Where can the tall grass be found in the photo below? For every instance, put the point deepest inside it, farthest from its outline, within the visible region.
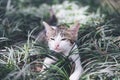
(98, 43)
(25, 62)
(100, 51)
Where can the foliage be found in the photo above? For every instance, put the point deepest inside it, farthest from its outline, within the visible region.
(75, 12)
(15, 22)
(112, 7)
(25, 62)
(98, 41)
(99, 50)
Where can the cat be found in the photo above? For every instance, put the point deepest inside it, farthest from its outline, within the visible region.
(62, 40)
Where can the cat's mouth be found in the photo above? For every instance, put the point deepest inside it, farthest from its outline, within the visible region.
(57, 50)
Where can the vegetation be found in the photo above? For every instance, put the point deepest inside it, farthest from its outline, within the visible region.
(21, 56)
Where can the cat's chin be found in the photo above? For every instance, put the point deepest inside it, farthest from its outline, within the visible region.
(58, 51)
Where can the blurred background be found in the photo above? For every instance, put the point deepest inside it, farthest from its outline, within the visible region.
(17, 17)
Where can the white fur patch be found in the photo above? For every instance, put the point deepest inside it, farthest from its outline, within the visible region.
(64, 46)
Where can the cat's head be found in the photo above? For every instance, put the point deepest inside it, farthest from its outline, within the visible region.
(62, 38)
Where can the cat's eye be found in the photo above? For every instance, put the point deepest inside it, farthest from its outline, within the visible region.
(63, 39)
(52, 38)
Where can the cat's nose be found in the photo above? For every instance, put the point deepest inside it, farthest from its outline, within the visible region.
(56, 46)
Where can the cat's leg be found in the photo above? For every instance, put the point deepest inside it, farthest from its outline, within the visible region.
(47, 62)
(78, 68)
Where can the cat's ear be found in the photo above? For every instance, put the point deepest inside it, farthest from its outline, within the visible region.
(48, 28)
(75, 28)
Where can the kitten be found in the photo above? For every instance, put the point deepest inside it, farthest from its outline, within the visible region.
(62, 39)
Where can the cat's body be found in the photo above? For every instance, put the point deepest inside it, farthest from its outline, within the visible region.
(62, 40)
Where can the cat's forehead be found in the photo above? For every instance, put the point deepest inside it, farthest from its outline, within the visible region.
(61, 31)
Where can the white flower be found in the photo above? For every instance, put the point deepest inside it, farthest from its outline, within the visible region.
(69, 12)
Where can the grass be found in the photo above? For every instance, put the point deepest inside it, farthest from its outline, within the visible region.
(21, 57)
(99, 53)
